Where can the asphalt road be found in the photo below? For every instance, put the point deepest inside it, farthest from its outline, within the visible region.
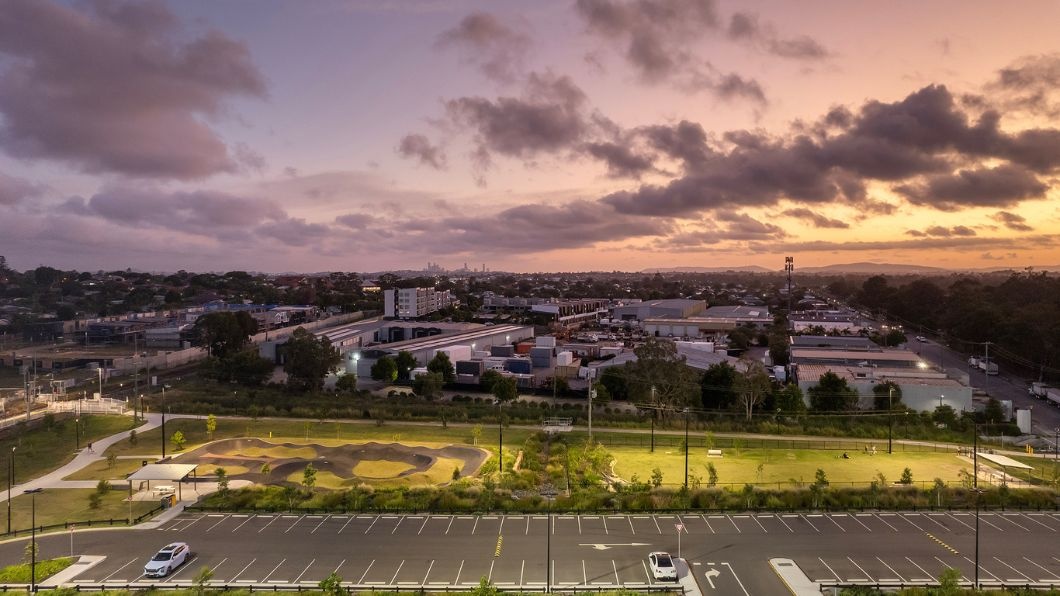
(728, 553)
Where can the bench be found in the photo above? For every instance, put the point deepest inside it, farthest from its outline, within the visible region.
(713, 452)
(165, 490)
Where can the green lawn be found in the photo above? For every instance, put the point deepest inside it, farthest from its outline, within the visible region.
(56, 506)
(324, 433)
(1046, 470)
(42, 449)
(783, 465)
(101, 470)
(20, 574)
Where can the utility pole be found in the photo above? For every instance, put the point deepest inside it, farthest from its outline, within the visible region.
(986, 369)
(686, 449)
(136, 375)
(789, 266)
(163, 422)
(890, 418)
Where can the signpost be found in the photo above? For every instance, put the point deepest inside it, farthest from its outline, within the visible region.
(680, 529)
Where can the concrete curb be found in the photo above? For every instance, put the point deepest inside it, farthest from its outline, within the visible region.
(794, 578)
(83, 563)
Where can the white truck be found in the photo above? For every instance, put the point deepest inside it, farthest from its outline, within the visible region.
(1053, 395)
(988, 367)
(973, 362)
(1038, 390)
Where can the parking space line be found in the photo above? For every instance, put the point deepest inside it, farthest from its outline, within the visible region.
(646, 573)
(345, 524)
(223, 518)
(860, 569)
(274, 570)
(996, 527)
(426, 519)
(294, 524)
(829, 568)
(630, 519)
(604, 517)
(896, 574)
(341, 563)
(361, 581)
(932, 519)
(579, 524)
(397, 525)
(1042, 568)
(489, 577)
(428, 574)
(1013, 568)
(880, 517)
(371, 525)
(458, 572)
(299, 578)
(781, 520)
(326, 518)
(733, 522)
(1048, 527)
(733, 572)
(131, 561)
(236, 576)
(855, 518)
(709, 527)
(924, 571)
(1020, 526)
(400, 565)
(585, 576)
(831, 518)
(983, 567)
(250, 517)
(814, 529)
(193, 522)
(618, 582)
(960, 522)
(760, 524)
(911, 522)
(527, 532)
(475, 527)
(656, 524)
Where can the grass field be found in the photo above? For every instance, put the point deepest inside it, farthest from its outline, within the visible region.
(231, 470)
(783, 466)
(20, 574)
(41, 450)
(379, 469)
(56, 506)
(100, 470)
(324, 433)
(439, 473)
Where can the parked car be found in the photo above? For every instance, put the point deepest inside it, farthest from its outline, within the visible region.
(166, 560)
(662, 566)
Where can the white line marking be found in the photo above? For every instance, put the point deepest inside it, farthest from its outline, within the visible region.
(860, 568)
(911, 523)
(361, 581)
(579, 525)
(989, 524)
(709, 527)
(527, 532)
(131, 561)
(733, 522)
(731, 570)
(217, 524)
(343, 562)
(369, 529)
(1039, 523)
(1020, 526)
(656, 524)
(585, 578)
(292, 525)
(1042, 568)
(646, 573)
(605, 526)
(458, 571)
(615, 567)
(236, 576)
(428, 574)
(814, 529)
(982, 567)
(781, 520)
(831, 518)
(759, 524)
(244, 523)
(924, 571)
(397, 525)
(936, 522)
(268, 524)
(344, 525)
(326, 517)
(474, 527)
(490, 576)
(400, 565)
(829, 568)
(522, 568)
(299, 578)
(425, 520)
(861, 522)
(500, 528)
(273, 570)
(1012, 568)
(960, 522)
(898, 575)
(631, 525)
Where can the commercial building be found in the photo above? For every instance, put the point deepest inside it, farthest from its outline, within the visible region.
(678, 308)
(921, 390)
(828, 321)
(412, 303)
(479, 338)
(569, 313)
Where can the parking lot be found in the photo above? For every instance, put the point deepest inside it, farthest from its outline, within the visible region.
(728, 553)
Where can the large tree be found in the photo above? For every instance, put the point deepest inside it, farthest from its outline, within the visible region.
(428, 385)
(405, 363)
(716, 386)
(752, 386)
(832, 394)
(661, 377)
(309, 360)
(225, 333)
(385, 370)
(887, 396)
(442, 365)
(505, 389)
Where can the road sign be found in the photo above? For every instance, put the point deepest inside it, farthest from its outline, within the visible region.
(680, 527)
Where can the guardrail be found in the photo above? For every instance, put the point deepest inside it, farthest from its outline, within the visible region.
(836, 587)
(81, 524)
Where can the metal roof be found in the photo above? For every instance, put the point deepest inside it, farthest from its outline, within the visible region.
(172, 472)
(1004, 461)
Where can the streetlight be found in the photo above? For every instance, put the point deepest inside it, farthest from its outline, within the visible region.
(77, 433)
(33, 538)
(163, 421)
(890, 417)
(100, 371)
(10, 481)
(978, 493)
(549, 494)
(686, 449)
(500, 441)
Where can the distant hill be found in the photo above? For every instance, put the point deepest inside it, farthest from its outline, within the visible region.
(874, 268)
(742, 269)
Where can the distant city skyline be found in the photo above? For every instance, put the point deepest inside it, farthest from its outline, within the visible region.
(573, 135)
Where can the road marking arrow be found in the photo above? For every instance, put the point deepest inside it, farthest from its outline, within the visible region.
(710, 577)
(607, 546)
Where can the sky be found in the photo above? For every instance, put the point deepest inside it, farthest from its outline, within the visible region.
(555, 135)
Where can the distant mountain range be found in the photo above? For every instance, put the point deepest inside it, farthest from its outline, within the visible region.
(864, 268)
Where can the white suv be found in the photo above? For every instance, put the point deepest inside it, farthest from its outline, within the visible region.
(166, 560)
(662, 566)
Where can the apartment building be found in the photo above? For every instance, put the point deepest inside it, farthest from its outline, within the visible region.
(411, 303)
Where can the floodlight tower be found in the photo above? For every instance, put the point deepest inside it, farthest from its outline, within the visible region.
(789, 266)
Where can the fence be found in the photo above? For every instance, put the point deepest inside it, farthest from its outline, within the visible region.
(353, 587)
(88, 523)
(795, 443)
(90, 406)
(838, 587)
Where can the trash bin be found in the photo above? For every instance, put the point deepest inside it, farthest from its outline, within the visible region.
(166, 502)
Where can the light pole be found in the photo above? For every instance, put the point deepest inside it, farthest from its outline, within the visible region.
(549, 493)
(77, 433)
(890, 418)
(100, 371)
(500, 441)
(978, 494)
(686, 449)
(163, 421)
(33, 538)
(10, 481)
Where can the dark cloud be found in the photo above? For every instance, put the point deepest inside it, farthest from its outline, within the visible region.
(734, 86)
(744, 227)
(550, 116)
(119, 87)
(621, 161)
(745, 27)
(495, 48)
(1002, 186)
(686, 141)
(818, 220)
(357, 221)
(942, 232)
(1013, 221)
(199, 212)
(1029, 84)
(293, 232)
(15, 190)
(417, 146)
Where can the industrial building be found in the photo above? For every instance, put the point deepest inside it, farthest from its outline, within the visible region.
(412, 303)
(679, 308)
(478, 341)
(571, 313)
(921, 390)
(829, 321)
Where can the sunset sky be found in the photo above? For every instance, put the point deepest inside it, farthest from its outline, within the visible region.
(570, 135)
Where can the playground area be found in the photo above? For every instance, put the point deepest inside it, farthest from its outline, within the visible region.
(339, 465)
